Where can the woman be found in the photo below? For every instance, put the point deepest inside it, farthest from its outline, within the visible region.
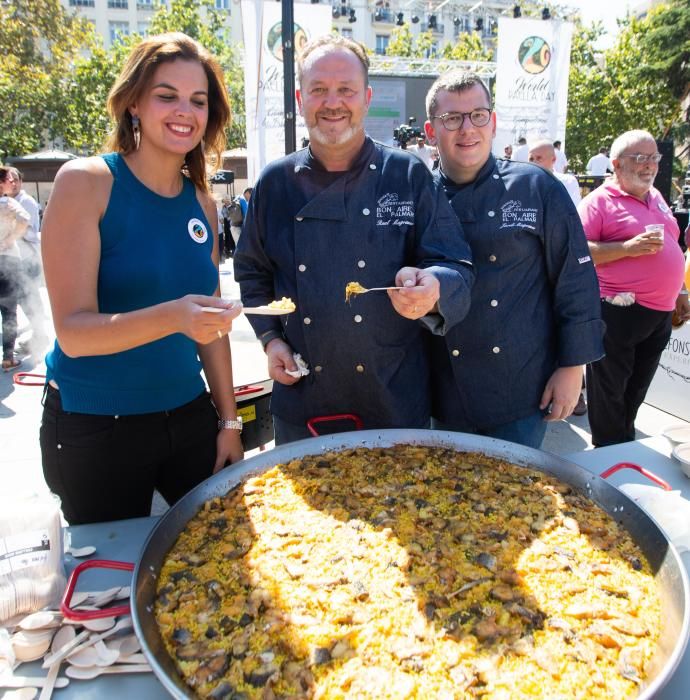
(14, 222)
(131, 259)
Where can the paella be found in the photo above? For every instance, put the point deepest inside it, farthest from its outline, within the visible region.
(407, 572)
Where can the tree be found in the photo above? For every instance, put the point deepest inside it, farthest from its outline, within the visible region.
(39, 41)
(468, 47)
(608, 94)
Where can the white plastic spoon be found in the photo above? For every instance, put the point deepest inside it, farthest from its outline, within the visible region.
(29, 682)
(86, 674)
(79, 552)
(124, 623)
(43, 619)
(20, 694)
(65, 650)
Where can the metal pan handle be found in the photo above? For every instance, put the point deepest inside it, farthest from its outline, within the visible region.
(645, 472)
(338, 416)
(72, 582)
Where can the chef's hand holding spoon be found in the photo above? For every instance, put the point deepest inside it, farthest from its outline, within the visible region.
(418, 294)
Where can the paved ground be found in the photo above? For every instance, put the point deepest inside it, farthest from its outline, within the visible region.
(20, 408)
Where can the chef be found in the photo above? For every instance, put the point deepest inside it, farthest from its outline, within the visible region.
(516, 361)
(348, 209)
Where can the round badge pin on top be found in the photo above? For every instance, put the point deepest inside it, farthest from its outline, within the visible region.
(197, 231)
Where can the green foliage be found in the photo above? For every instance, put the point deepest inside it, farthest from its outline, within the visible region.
(609, 95)
(39, 42)
(467, 47)
(56, 74)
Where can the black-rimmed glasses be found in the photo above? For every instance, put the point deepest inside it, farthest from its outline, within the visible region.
(452, 121)
(641, 158)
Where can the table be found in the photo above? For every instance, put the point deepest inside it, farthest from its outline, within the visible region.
(123, 541)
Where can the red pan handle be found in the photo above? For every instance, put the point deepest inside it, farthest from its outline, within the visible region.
(629, 465)
(338, 416)
(72, 582)
(247, 389)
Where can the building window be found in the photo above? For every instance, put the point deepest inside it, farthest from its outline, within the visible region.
(81, 3)
(145, 5)
(223, 5)
(346, 32)
(382, 43)
(117, 4)
(142, 28)
(117, 29)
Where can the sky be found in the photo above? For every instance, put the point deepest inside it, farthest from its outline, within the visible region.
(605, 10)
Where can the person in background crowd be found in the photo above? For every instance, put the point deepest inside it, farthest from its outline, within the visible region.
(131, 260)
(226, 217)
(521, 151)
(561, 165)
(14, 222)
(349, 209)
(534, 320)
(543, 153)
(244, 200)
(31, 272)
(640, 275)
(508, 152)
(423, 152)
(600, 164)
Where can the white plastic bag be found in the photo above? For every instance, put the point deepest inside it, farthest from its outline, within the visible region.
(668, 508)
(32, 573)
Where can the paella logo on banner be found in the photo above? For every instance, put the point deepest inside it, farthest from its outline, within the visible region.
(263, 75)
(533, 61)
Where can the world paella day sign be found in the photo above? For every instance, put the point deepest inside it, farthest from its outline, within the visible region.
(670, 390)
(533, 61)
(263, 75)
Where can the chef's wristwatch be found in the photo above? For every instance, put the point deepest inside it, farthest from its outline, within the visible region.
(227, 424)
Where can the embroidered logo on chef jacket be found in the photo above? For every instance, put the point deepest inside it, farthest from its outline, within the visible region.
(197, 231)
(514, 215)
(390, 211)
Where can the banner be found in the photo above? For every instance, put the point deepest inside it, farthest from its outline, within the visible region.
(533, 61)
(263, 75)
(670, 389)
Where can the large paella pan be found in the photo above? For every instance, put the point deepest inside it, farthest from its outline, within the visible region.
(664, 562)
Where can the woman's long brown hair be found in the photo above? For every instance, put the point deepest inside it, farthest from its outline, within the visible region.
(137, 75)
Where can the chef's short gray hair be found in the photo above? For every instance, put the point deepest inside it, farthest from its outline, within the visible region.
(332, 42)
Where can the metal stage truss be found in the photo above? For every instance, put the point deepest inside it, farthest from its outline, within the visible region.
(426, 67)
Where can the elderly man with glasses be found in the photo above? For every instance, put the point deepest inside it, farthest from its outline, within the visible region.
(633, 239)
(515, 362)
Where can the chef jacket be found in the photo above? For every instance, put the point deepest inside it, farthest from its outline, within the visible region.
(535, 301)
(309, 232)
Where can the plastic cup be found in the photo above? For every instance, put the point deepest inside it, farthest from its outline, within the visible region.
(657, 230)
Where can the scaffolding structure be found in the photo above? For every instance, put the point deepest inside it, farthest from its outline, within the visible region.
(427, 67)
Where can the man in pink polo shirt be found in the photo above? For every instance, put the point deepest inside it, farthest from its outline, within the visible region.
(640, 273)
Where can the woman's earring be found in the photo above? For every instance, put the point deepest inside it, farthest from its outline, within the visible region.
(136, 131)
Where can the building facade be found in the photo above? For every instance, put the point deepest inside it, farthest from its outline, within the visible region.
(369, 21)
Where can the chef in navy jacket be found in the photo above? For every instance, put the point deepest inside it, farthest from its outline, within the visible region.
(516, 360)
(347, 209)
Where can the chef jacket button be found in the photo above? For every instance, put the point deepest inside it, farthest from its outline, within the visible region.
(302, 268)
(492, 258)
(495, 176)
(455, 352)
(307, 320)
(494, 302)
(491, 213)
(59, 446)
(298, 168)
(372, 166)
(365, 211)
(361, 263)
(318, 368)
(358, 319)
(299, 218)
(496, 349)
(359, 368)
(116, 417)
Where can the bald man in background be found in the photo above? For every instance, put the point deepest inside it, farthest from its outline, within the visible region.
(543, 153)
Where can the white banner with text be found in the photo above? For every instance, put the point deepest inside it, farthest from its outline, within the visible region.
(533, 61)
(263, 75)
